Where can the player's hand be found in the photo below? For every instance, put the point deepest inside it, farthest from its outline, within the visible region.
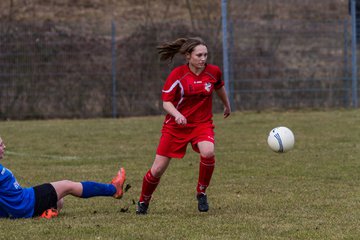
(227, 112)
(180, 119)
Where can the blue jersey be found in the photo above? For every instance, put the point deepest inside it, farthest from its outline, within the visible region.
(15, 201)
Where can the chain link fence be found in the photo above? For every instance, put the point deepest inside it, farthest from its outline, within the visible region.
(290, 64)
(52, 70)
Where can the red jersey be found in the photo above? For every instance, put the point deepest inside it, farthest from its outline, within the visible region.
(192, 94)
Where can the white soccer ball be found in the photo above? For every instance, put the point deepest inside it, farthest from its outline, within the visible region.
(281, 139)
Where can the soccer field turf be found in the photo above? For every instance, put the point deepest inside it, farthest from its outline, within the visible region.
(311, 192)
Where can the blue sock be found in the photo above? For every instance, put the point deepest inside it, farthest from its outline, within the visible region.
(93, 189)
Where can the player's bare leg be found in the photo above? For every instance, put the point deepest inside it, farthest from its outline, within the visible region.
(206, 168)
(150, 182)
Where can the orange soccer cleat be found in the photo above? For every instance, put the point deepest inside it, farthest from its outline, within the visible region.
(50, 213)
(118, 181)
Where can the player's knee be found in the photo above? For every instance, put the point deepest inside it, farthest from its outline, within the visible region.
(209, 153)
(68, 187)
(157, 171)
(63, 183)
(159, 167)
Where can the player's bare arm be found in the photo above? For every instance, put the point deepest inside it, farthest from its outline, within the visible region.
(225, 100)
(170, 108)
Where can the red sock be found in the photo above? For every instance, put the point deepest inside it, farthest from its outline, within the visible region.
(148, 187)
(206, 169)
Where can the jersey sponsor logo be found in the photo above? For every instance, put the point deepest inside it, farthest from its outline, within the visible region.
(208, 87)
(197, 82)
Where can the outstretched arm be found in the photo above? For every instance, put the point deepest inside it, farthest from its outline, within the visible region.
(221, 92)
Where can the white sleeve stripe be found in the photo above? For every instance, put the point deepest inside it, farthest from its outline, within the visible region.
(172, 86)
(181, 92)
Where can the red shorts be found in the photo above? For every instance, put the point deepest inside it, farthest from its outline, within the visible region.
(173, 141)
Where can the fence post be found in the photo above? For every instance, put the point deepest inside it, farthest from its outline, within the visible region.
(113, 68)
(346, 66)
(231, 65)
(225, 45)
(353, 54)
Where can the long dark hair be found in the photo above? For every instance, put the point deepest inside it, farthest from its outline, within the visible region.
(168, 50)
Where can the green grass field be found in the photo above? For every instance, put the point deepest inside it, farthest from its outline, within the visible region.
(311, 192)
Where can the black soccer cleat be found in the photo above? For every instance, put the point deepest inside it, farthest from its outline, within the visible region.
(203, 205)
(142, 208)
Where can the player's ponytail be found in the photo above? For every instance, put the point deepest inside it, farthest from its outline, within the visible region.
(168, 50)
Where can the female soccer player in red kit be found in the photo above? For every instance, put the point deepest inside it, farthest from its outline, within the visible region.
(187, 98)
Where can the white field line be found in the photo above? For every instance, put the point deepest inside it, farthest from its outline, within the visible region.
(66, 158)
(43, 156)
